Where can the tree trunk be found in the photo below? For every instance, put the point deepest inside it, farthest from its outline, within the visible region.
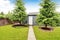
(45, 25)
(20, 22)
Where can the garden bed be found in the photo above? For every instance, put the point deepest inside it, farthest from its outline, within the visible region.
(48, 28)
(18, 24)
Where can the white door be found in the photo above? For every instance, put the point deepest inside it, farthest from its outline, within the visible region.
(30, 20)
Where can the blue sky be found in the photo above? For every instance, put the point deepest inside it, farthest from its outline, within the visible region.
(30, 5)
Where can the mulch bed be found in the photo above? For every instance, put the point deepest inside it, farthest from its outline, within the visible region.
(18, 24)
(48, 28)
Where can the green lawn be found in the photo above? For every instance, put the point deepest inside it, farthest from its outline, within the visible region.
(10, 33)
(47, 35)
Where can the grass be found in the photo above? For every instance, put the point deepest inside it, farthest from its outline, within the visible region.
(47, 35)
(10, 33)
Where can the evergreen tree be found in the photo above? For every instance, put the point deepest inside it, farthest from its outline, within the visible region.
(19, 12)
(47, 14)
(2, 15)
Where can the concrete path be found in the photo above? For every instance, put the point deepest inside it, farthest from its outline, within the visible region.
(31, 35)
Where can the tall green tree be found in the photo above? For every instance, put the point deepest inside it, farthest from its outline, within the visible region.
(19, 13)
(9, 16)
(2, 15)
(47, 14)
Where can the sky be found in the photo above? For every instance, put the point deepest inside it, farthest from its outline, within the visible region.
(30, 5)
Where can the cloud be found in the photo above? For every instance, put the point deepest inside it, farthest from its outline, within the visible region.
(32, 8)
(6, 6)
(58, 8)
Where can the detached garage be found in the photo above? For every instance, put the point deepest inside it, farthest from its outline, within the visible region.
(32, 18)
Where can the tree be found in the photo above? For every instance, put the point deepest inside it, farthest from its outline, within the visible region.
(2, 15)
(9, 16)
(47, 14)
(19, 12)
(58, 16)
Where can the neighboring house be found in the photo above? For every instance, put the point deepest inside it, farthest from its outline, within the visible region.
(32, 18)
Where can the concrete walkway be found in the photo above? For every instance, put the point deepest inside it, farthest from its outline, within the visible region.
(31, 35)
